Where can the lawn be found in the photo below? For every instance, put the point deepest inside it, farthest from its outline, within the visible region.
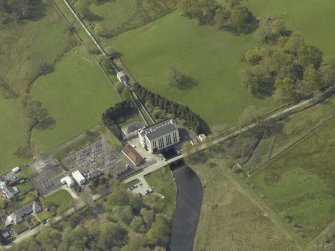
(300, 185)
(61, 197)
(76, 95)
(230, 217)
(314, 18)
(162, 182)
(211, 58)
(13, 133)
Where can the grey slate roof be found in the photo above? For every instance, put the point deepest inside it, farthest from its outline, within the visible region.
(17, 217)
(160, 129)
(8, 190)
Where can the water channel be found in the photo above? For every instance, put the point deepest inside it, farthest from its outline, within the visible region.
(188, 207)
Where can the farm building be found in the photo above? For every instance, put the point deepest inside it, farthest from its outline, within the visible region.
(122, 77)
(68, 181)
(132, 155)
(159, 136)
(17, 217)
(78, 177)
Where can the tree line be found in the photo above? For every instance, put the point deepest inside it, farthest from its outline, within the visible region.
(284, 66)
(112, 116)
(229, 16)
(18, 10)
(192, 120)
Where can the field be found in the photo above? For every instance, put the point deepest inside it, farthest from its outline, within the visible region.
(231, 219)
(13, 133)
(24, 46)
(76, 95)
(61, 197)
(161, 182)
(313, 18)
(299, 184)
(119, 16)
(211, 58)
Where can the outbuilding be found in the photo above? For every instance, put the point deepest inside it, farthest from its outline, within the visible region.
(78, 177)
(68, 181)
(16, 169)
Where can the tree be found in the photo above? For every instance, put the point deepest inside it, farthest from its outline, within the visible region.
(250, 115)
(159, 232)
(285, 89)
(175, 77)
(137, 224)
(111, 235)
(271, 30)
(327, 72)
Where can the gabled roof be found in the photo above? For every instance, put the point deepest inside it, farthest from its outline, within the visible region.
(160, 129)
(132, 155)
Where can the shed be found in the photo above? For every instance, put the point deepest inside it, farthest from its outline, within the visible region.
(122, 77)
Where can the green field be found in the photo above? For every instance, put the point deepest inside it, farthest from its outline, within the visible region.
(76, 95)
(119, 16)
(61, 197)
(13, 134)
(24, 46)
(231, 219)
(300, 185)
(211, 58)
(313, 18)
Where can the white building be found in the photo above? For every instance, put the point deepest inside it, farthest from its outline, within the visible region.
(159, 136)
(122, 77)
(68, 181)
(78, 177)
(16, 169)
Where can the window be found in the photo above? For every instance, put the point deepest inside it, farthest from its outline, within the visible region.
(154, 144)
(161, 143)
(175, 140)
(168, 139)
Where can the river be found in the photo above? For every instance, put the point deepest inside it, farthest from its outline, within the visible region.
(188, 207)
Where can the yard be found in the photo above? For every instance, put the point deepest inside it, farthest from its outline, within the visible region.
(231, 219)
(299, 184)
(76, 95)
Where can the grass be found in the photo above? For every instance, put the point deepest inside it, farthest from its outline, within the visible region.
(230, 217)
(313, 18)
(13, 134)
(25, 45)
(162, 182)
(76, 95)
(211, 58)
(299, 184)
(119, 16)
(59, 198)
